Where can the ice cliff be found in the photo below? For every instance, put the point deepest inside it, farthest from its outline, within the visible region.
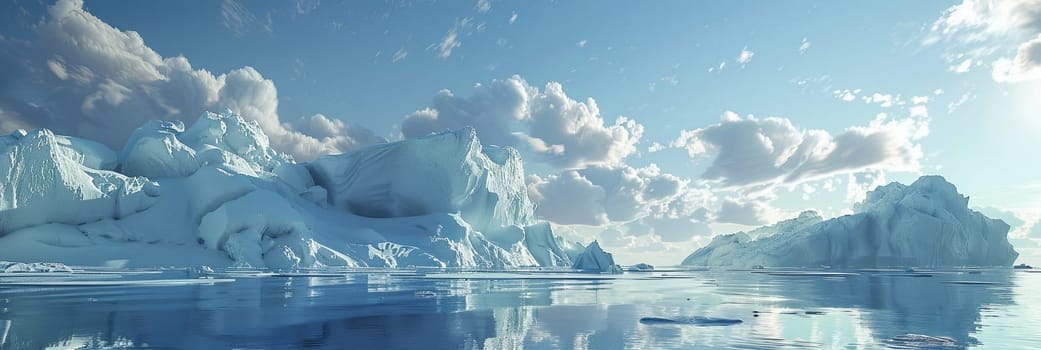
(927, 223)
(216, 193)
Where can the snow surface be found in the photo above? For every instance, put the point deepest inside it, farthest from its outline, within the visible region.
(217, 194)
(927, 223)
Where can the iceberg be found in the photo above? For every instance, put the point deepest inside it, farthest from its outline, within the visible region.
(594, 259)
(217, 194)
(927, 223)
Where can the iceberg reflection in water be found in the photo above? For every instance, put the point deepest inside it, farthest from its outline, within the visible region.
(542, 310)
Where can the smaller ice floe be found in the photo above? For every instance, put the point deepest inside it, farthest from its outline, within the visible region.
(641, 267)
(806, 273)
(36, 267)
(913, 274)
(595, 259)
(756, 313)
(426, 294)
(508, 276)
(919, 341)
(972, 282)
(696, 321)
(108, 283)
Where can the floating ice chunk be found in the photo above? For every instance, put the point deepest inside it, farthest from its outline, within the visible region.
(108, 283)
(17, 267)
(641, 267)
(917, 341)
(696, 320)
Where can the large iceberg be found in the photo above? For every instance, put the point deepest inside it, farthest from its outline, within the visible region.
(216, 193)
(927, 223)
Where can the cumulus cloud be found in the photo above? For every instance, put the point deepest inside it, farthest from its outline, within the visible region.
(751, 213)
(1026, 65)
(80, 76)
(568, 199)
(750, 151)
(545, 123)
(981, 30)
(607, 194)
(661, 203)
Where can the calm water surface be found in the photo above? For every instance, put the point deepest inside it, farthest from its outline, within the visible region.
(465, 310)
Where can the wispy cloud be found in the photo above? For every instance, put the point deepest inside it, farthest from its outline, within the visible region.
(513, 17)
(399, 55)
(483, 6)
(240, 20)
(581, 43)
(804, 46)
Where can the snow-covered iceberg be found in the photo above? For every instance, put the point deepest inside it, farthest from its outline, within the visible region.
(927, 223)
(217, 194)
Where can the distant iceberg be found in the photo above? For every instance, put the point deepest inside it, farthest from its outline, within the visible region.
(594, 259)
(927, 223)
(217, 194)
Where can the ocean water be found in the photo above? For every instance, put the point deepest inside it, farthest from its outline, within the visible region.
(427, 309)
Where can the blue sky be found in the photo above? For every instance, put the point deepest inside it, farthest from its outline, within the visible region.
(932, 68)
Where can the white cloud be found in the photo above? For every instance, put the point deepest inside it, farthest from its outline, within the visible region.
(953, 106)
(659, 203)
(751, 213)
(513, 18)
(978, 30)
(399, 55)
(568, 199)
(804, 46)
(1026, 65)
(846, 94)
(448, 42)
(546, 124)
(581, 43)
(750, 151)
(859, 183)
(304, 7)
(719, 68)
(112, 82)
(962, 67)
(483, 6)
(671, 79)
(239, 19)
(744, 57)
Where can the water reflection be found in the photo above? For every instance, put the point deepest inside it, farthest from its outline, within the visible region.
(387, 311)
